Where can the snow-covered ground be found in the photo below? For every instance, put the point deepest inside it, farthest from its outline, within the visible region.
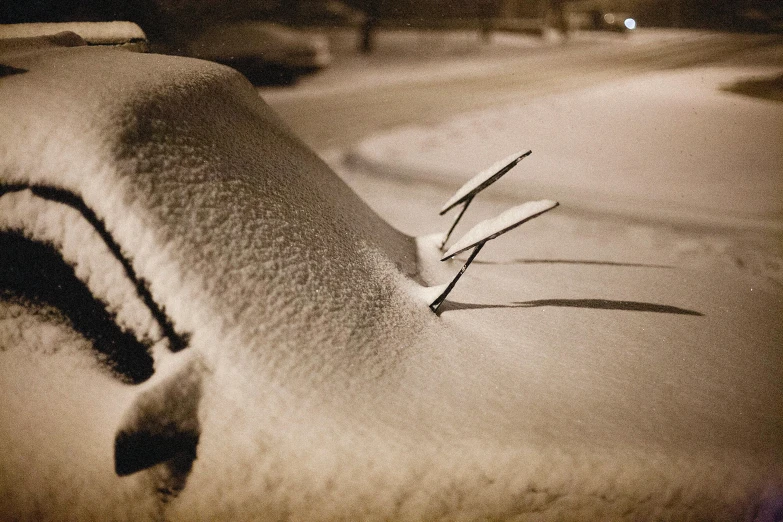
(645, 312)
(672, 145)
(655, 291)
(672, 167)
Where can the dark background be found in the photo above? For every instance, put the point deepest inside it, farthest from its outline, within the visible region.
(156, 17)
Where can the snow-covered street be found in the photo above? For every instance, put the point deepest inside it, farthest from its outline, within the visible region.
(416, 78)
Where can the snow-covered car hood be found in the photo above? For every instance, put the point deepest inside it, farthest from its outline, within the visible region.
(133, 152)
(209, 229)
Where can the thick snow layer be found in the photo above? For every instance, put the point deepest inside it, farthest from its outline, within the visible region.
(176, 173)
(492, 228)
(483, 179)
(57, 424)
(325, 388)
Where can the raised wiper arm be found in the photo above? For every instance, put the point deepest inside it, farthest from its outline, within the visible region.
(487, 230)
(476, 184)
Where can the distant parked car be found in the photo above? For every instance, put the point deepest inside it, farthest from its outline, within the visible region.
(327, 12)
(764, 17)
(262, 51)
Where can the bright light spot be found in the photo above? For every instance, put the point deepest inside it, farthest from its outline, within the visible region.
(630, 23)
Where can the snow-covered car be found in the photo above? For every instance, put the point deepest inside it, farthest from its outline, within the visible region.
(200, 320)
(262, 50)
(117, 34)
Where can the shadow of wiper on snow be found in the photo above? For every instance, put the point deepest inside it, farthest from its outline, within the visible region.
(767, 88)
(595, 304)
(569, 262)
(607, 304)
(7, 70)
